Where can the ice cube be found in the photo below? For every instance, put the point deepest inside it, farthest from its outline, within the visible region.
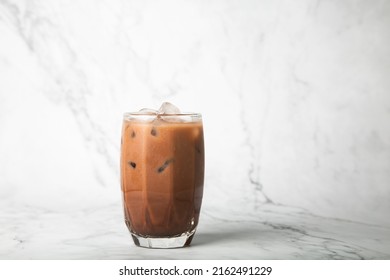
(148, 111)
(165, 165)
(153, 131)
(175, 118)
(168, 108)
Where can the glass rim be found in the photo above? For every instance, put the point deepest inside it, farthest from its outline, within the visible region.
(141, 114)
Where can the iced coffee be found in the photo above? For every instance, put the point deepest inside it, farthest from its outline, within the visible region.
(162, 173)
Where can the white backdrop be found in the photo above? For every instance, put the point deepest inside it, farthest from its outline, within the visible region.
(294, 95)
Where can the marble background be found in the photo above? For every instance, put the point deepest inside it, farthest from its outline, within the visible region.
(295, 98)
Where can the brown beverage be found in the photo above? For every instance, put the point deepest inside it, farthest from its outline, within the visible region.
(162, 172)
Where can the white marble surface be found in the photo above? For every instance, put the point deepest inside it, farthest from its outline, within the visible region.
(273, 233)
(296, 107)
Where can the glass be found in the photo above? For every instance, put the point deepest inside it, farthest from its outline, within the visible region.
(162, 174)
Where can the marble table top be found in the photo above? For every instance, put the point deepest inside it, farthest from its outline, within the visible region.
(270, 232)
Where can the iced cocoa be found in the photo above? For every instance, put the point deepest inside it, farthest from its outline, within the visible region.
(162, 172)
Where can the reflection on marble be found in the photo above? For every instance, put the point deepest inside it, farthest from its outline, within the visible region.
(295, 101)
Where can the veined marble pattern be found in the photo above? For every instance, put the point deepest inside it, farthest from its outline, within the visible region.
(273, 233)
(295, 101)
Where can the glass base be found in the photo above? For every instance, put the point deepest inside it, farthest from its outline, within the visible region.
(163, 242)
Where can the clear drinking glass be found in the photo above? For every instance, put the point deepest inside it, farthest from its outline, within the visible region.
(162, 174)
